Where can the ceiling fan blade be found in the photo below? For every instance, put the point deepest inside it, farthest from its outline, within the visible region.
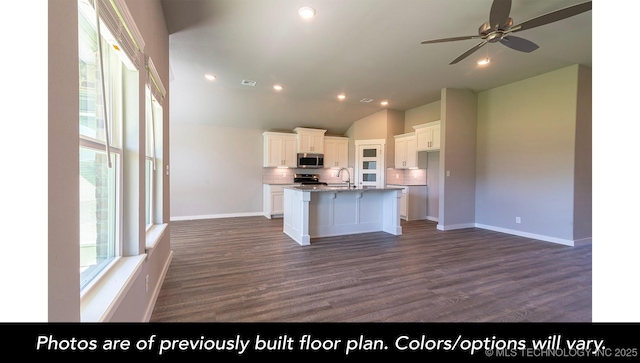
(499, 14)
(553, 16)
(519, 44)
(450, 39)
(469, 52)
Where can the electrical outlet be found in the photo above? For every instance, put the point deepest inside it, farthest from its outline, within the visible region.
(518, 220)
(146, 284)
(448, 173)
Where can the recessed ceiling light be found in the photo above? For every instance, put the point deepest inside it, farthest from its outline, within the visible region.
(277, 87)
(307, 12)
(384, 103)
(210, 77)
(483, 61)
(342, 97)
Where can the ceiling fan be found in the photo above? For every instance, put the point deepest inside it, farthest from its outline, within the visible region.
(500, 26)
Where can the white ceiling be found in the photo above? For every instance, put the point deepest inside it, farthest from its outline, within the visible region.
(364, 48)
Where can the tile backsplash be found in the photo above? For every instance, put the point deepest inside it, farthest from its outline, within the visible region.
(285, 176)
(407, 176)
(393, 176)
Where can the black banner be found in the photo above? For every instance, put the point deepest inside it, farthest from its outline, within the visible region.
(339, 341)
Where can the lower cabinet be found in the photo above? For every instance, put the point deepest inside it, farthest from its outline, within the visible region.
(272, 199)
(413, 203)
(403, 203)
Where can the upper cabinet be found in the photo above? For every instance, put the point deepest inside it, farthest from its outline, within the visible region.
(280, 150)
(336, 152)
(428, 136)
(406, 151)
(310, 140)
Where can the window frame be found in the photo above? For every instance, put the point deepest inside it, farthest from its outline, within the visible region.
(114, 126)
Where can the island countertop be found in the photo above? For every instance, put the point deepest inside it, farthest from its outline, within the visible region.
(341, 188)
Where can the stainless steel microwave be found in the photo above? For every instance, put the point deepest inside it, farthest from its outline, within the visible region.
(310, 161)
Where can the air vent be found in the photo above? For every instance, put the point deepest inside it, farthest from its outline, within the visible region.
(366, 100)
(248, 83)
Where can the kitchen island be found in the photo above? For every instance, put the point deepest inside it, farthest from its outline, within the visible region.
(322, 211)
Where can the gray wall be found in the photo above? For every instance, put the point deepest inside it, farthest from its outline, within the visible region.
(526, 155)
(582, 207)
(217, 171)
(457, 159)
(421, 114)
(63, 195)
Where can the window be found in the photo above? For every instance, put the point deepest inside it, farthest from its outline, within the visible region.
(103, 68)
(153, 122)
(155, 94)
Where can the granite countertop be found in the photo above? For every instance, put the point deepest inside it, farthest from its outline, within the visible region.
(342, 188)
(410, 185)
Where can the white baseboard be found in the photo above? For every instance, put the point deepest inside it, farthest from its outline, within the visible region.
(540, 237)
(156, 290)
(455, 226)
(433, 219)
(213, 216)
(583, 241)
(561, 241)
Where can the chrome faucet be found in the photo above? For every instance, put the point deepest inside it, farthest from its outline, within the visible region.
(348, 176)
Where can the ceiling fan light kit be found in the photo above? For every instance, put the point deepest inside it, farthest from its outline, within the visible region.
(500, 27)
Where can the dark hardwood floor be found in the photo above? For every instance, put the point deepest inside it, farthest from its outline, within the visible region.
(247, 270)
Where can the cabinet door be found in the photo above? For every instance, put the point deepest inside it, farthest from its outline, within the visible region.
(336, 152)
(401, 153)
(309, 142)
(330, 153)
(435, 138)
(411, 160)
(289, 152)
(305, 143)
(273, 151)
(317, 143)
(428, 136)
(406, 152)
(423, 137)
(277, 203)
(342, 153)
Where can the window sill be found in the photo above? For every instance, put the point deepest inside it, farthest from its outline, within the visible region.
(100, 301)
(154, 235)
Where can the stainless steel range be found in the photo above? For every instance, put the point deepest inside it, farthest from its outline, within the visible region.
(307, 179)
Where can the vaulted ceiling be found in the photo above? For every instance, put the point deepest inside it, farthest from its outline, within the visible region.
(366, 49)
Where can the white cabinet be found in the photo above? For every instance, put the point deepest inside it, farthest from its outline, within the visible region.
(413, 203)
(403, 204)
(280, 150)
(428, 136)
(310, 140)
(272, 199)
(406, 151)
(336, 152)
